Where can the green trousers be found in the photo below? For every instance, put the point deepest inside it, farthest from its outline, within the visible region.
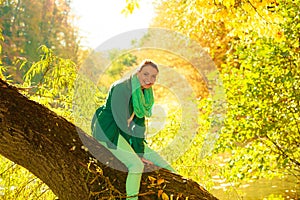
(131, 160)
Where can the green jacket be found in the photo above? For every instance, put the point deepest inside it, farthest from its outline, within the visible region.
(110, 120)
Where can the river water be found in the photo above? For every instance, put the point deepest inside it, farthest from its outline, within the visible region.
(288, 188)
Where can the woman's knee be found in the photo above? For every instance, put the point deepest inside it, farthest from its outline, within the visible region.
(136, 166)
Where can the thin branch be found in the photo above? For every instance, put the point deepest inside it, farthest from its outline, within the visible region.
(255, 9)
(14, 164)
(282, 152)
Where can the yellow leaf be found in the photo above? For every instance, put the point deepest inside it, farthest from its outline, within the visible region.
(151, 179)
(164, 196)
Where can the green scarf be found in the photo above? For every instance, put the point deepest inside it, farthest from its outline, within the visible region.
(142, 101)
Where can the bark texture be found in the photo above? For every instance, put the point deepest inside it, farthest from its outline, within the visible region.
(52, 148)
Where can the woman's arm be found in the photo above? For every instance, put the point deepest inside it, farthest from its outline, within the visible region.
(120, 106)
(120, 96)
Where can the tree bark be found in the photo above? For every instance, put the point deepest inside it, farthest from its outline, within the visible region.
(52, 149)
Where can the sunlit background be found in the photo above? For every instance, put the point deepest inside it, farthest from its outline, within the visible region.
(99, 20)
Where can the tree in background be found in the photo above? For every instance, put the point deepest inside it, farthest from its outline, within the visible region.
(214, 24)
(28, 24)
(262, 79)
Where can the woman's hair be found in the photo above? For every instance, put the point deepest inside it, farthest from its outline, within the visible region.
(147, 62)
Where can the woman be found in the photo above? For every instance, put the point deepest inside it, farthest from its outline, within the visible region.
(120, 124)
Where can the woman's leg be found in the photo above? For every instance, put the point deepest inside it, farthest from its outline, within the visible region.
(154, 157)
(135, 166)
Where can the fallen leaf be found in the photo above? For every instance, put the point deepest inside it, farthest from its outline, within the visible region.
(151, 179)
(73, 148)
(164, 196)
(160, 181)
(159, 193)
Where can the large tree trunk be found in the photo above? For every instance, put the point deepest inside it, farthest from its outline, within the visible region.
(52, 148)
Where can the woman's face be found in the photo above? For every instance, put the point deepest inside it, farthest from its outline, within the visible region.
(147, 76)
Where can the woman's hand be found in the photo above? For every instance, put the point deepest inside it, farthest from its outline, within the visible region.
(130, 119)
(146, 161)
